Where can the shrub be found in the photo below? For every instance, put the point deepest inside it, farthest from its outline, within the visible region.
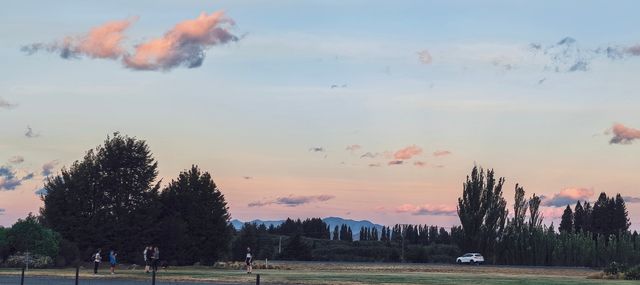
(633, 273)
(35, 260)
(614, 268)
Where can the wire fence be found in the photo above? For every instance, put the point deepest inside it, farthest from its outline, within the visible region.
(24, 278)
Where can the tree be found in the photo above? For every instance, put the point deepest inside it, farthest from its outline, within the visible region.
(247, 238)
(336, 233)
(620, 215)
(194, 200)
(110, 195)
(27, 235)
(578, 217)
(535, 217)
(297, 249)
(482, 211)
(519, 208)
(601, 218)
(566, 224)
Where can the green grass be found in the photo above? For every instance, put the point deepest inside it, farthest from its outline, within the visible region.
(335, 274)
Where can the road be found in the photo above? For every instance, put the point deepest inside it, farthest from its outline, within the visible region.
(15, 280)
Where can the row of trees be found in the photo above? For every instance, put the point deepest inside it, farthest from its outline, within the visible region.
(607, 216)
(594, 236)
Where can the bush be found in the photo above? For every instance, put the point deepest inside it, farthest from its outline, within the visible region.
(633, 273)
(614, 268)
(35, 260)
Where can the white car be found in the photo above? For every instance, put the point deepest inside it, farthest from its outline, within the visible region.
(471, 258)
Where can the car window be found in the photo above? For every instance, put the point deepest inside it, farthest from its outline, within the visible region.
(466, 255)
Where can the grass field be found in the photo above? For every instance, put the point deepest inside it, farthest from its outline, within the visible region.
(355, 273)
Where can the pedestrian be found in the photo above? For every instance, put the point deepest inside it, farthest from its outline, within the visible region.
(155, 259)
(148, 253)
(248, 260)
(113, 261)
(96, 261)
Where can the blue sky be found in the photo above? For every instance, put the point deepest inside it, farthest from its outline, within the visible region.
(257, 105)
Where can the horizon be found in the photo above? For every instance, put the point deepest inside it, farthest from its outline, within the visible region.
(323, 108)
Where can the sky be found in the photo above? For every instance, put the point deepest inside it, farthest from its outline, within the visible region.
(373, 110)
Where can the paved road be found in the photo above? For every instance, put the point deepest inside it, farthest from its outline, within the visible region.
(15, 280)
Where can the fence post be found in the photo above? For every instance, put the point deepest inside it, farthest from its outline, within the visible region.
(77, 273)
(22, 277)
(153, 276)
(257, 279)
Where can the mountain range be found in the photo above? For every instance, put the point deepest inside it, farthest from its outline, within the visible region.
(331, 221)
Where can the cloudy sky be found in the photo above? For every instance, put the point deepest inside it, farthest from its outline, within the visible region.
(361, 109)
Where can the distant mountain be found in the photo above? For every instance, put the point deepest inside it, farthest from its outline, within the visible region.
(331, 221)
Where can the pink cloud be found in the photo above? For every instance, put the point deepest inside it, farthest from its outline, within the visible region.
(425, 57)
(427, 210)
(184, 45)
(407, 152)
(441, 153)
(103, 41)
(568, 196)
(623, 134)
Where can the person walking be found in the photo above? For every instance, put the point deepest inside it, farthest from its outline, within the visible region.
(113, 261)
(155, 259)
(97, 258)
(248, 259)
(148, 253)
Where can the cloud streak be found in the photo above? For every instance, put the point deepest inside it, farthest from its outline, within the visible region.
(184, 45)
(17, 159)
(48, 167)
(631, 199)
(439, 153)
(427, 210)
(9, 178)
(567, 55)
(424, 56)
(623, 134)
(292, 200)
(353, 148)
(30, 133)
(4, 104)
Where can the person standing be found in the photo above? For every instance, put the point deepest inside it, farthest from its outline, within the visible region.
(248, 260)
(155, 258)
(96, 261)
(113, 261)
(148, 253)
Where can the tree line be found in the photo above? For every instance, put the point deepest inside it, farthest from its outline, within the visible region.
(112, 199)
(595, 236)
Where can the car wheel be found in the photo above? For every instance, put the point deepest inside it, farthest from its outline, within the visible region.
(472, 262)
(459, 261)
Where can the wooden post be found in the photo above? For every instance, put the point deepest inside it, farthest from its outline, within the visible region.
(153, 276)
(77, 273)
(257, 279)
(22, 277)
